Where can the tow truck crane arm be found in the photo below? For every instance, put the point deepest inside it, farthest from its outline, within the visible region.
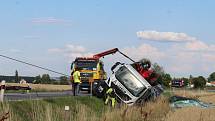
(108, 52)
(112, 51)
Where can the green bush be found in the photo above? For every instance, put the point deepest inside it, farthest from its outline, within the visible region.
(199, 82)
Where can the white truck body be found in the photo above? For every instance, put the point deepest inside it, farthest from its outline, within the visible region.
(128, 84)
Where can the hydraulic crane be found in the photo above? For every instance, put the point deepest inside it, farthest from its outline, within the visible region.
(92, 68)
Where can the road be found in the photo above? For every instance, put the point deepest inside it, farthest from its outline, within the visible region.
(39, 95)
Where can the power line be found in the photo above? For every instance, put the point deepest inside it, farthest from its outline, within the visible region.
(33, 65)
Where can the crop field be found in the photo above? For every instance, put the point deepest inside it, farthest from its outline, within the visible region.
(93, 109)
(43, 87)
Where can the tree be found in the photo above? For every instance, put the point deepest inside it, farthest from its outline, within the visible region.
(45, 79)
(63, 80)
(211, 77)
(166, 79)
(160, 71)
(37, 80)
(186, 81)
(199, 82)
(16, 77)
(191, 79)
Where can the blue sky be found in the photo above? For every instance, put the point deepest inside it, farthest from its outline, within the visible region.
(176, 34)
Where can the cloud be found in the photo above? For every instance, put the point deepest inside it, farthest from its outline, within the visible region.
(48, 20)
(31, 37)
(186, 55)
(71, 51)
(181, 68)
(199, 46)
(75, 48)
(185, 61)
(144, 51)
(14, 50)
(164, 36)
(55, 50)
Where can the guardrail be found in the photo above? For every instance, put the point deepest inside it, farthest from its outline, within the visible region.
(3, 87)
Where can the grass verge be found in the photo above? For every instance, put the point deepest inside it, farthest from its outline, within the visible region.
(93, 109)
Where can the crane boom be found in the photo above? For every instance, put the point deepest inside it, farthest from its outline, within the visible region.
(108, 52)
(112, 51)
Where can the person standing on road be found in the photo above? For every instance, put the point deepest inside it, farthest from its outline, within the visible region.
(76, 82)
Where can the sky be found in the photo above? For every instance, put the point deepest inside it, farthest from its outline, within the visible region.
(178, 35)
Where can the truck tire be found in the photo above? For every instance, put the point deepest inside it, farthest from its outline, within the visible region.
(100, 89)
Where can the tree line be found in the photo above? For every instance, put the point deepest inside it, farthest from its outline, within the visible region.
(43, 79)
(198, 82)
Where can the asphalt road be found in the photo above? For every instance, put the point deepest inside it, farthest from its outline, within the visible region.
(39, 95)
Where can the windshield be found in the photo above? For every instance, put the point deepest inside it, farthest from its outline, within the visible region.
(129, 81)
(87, 65)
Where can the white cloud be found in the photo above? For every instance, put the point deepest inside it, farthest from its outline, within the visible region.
(144, 51)
(208, 57)
(31, 37)
(165, 36)
(49, 20)
(199, 46)
(15, 51)
(71, 51)
(180, 68)
(55, 50)
(75, 48)
(187, 55)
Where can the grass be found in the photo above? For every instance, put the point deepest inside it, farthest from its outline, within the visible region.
(93, 109)
(53, 109)
(81, 109)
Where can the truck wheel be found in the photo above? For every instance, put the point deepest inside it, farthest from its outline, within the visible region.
(100, 89)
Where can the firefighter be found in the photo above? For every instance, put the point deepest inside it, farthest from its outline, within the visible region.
(110, 96)
(76, 82)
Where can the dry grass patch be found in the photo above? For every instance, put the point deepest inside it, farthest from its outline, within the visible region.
(191, 114)
(151, 111)
(44, 87)
(197, 94)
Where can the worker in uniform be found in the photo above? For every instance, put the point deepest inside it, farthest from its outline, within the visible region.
(76, 82)
(110, 97)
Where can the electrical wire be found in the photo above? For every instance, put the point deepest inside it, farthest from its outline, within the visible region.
(40, 67)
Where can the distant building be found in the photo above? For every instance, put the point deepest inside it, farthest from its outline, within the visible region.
(23, 81)
(210, 84)
(177, 83)
(9, 79)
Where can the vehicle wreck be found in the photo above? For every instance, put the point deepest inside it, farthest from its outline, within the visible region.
(180, 102)
(128, 84)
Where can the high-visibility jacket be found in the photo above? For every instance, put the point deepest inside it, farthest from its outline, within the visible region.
(76, 77)
(110, 96)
